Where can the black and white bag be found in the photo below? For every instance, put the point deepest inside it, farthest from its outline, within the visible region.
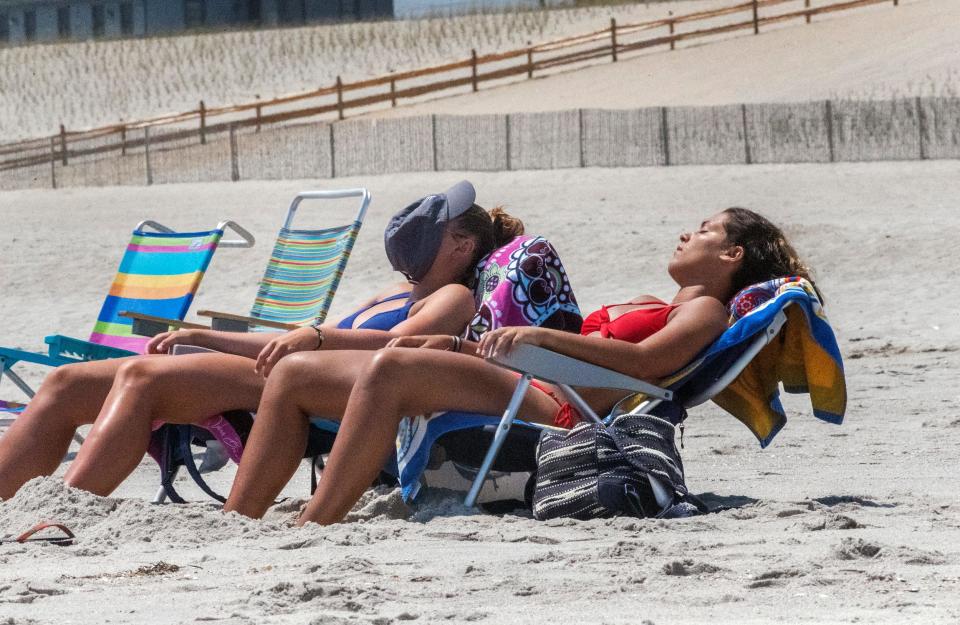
(630, 467)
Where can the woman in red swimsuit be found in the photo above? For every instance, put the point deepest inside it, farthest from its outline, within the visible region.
(646, 338)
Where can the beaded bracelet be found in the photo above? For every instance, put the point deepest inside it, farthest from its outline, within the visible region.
(319, 331)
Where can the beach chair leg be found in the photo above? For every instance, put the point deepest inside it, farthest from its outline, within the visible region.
(501, 434)
(16, 379)
(161, 495)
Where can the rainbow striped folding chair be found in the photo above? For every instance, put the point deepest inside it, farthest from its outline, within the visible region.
(158, 274)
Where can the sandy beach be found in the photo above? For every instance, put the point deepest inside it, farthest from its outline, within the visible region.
(830, 524)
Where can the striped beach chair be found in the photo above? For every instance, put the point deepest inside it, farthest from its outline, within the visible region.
(159, 274)
(303, 272)
(300, 280)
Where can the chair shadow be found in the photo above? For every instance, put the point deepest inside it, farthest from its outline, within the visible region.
(834, 500)
(725, 502)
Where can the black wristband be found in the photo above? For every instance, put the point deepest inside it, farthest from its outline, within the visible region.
(319, 331)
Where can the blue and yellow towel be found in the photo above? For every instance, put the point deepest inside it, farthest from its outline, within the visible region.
(804, 358)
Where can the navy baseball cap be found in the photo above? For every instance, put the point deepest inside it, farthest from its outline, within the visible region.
(413, 236)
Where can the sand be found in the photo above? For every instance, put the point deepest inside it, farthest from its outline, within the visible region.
(830, 524)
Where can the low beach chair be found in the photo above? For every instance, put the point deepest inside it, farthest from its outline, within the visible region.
(159, 274)
(522, 284)
(298, 287)
(778, 334)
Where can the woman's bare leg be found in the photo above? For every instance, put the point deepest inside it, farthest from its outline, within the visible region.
(176, 389)
(302, 385)
(36, 443)
(400, 382)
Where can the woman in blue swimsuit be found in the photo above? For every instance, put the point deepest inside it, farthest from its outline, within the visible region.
(435, 242)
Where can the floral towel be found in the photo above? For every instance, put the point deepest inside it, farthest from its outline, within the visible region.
(523, 284)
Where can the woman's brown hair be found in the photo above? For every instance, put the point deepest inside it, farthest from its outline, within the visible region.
(766, 252)
(491, 229)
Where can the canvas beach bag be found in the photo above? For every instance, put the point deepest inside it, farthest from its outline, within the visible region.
(629, 467)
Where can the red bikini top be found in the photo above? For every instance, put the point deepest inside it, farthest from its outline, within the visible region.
(633, 326)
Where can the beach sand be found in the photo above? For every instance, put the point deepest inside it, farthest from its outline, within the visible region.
(829, 524)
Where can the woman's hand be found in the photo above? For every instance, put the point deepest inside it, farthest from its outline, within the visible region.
(433, 341)
(164, 342)
(299, 340)
(501, 341)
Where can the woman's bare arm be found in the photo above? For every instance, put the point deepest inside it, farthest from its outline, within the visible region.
(446, 311)
(246, 344)
(693, 327)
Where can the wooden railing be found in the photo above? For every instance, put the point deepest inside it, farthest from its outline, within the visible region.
(341, 97)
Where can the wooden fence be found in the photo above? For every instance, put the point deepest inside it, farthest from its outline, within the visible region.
(823, 131)
(611, 43)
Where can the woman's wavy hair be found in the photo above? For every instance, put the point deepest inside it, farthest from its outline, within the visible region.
(767, 254)
(491, 230)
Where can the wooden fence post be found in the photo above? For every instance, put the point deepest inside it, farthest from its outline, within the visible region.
(921, 127)
(748, 157)
(146, 153)
(828, 106)
(806, 5)
(507, 139)
(756, 18)
(581, 137)
(673, 42)
(393, 92)
(63, 145)
(665, 135)
(203, 123)
(339, 98)
(123, 140)
(613, 38)
(473, 68)
(234, 156)
(53, 162)
(529, 61)
(333, 152)
(433, 131)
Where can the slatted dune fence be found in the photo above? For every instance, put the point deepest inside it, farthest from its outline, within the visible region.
(789, 132)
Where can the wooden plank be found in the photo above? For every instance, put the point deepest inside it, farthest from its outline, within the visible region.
(173, 323)
(254, 321)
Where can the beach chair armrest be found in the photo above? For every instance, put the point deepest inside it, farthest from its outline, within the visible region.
(550, 366)
(69, 349)
(151, 325)
(241, 323)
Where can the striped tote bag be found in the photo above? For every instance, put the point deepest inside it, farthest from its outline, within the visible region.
(599, 471)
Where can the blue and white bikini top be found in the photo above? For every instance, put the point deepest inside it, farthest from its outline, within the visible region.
(385, 320)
